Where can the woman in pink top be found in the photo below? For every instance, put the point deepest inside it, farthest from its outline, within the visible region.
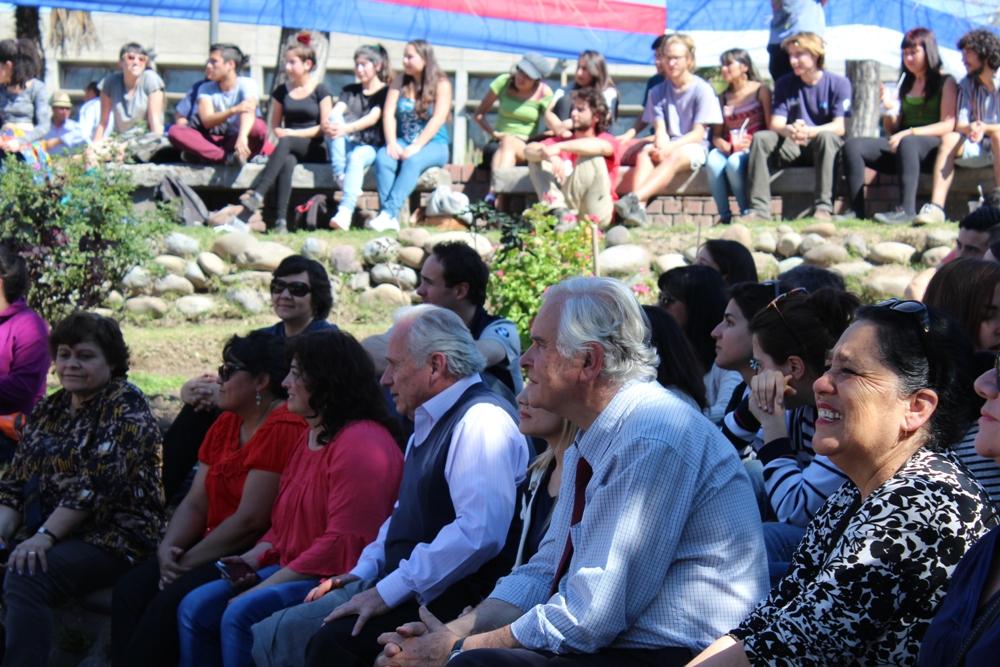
(338, 488)
(746, 108)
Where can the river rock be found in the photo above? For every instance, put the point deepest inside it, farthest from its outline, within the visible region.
(941, 237)
(212, 265)
(231, 246)
(765, 242)
(667, 261)
(691, 254)
(181, 245)
(248, 278)
(197, 277)
(824, 229)
(789, 263)
(617, 235)
(623, 260)
(147, 305)
(856, 245)
(767, 265)
(381, 250)
(195, 305)
(385, 294)
(788, 244)
(857, 267)
(414, 236)
(784, 229)
(314, 248)
(889, 280)
(171, 284)
(248, 299)
(265, 255)
(114, 299)
(913, 236)
(137, 280)
(172, 263)
(810, 241)
(412, 256)
(344, 259)
(918, 286)
(394, 274)
(933, 256)
(359, 281)
(825, 254)
(740, 234)
(478, 242)
(891, 252)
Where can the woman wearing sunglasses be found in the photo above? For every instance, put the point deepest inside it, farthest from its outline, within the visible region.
(874, 562)
(791, 339)
(227, 508)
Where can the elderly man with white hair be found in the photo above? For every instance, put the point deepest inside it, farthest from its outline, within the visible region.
(655, 542)
(442, 544)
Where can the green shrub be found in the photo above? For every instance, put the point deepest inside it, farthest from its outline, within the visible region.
(77, 230)
(533, 256)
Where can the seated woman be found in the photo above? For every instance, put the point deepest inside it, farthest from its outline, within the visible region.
(969, 291)
(354, 129)
(84, 486)
(298, 108)
(730, 258)
(25, 114)
(227, 508)
(696, 297)
(24, 352)
(524, 100)
(416, 137)
(875, 561)
(301, 298)
(132, 103)
(318, 526)
(965, 630)
(679, 371)
(591, 72)
(746, 108)
(915, 119)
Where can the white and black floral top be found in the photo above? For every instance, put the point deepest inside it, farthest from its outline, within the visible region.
(868, 576)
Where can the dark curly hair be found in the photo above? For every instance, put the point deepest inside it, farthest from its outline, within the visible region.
(983, 219)
(84, 327)
(341, 381)
(984, 44)
(460, 263)
(260, 352)
(940, 359)
(598, 105)
(321, 294)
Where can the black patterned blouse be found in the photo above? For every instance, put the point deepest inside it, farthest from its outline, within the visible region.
(105, 459)
(867, 577)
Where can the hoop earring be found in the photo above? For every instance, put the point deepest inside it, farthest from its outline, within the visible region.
(259, 399)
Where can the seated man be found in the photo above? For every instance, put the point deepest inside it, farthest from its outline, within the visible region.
(90, 111)
(807, 127)
(65, 134)
(226, 127)
(976, 233)
(578, 173)
(441, 544)
(660, 543)
(632, 145)
(683, 108)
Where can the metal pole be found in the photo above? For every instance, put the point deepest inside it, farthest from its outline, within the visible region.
(213, 21)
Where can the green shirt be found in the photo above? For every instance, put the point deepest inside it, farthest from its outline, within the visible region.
(516, 116)
(917, 112)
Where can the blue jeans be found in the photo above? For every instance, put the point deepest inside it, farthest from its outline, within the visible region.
(725, 173)
(213, 632)
(349, 160)
(780, 541)
(398, 178)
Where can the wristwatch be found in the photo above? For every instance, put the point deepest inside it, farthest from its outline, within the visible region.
(45, 531)
(456, 648)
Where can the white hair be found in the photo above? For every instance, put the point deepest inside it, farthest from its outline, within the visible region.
(434, 329)
(604, 311)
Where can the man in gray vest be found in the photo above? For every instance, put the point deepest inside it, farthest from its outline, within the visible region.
(655, 543)
(441, 545)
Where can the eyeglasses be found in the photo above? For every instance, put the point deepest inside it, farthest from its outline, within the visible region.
(775, 304)
(910, 307)
(229, 369)
(294, 287)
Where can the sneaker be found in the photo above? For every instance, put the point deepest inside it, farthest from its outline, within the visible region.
(930, 214)
(258, 159)
(280, 226)
(631, 211)
(251, 200)
(383, 222)
(753, 215)
(342, 220)
(189, 157)
(897, 217)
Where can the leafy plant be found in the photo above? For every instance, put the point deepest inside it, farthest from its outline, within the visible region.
(535, 252)
(77, 230)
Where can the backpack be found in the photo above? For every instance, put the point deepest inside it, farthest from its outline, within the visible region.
(192, 210)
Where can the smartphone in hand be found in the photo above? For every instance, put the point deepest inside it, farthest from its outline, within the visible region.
(235, 571)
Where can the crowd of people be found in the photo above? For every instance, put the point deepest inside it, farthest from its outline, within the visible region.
(398, 122)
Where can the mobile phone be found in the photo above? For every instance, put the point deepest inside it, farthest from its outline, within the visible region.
(234, 570)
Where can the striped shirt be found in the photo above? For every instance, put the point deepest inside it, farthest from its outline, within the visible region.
(976, 102)
(669, 552)
(986, 471)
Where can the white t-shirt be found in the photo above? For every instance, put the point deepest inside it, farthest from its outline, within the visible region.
(245, 89)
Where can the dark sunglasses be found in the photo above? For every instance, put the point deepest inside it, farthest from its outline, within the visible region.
(229, 369)
(294, 287)
(910, 307)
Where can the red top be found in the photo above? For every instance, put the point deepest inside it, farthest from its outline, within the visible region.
(613, 161)
(268, 449)
(332, 501)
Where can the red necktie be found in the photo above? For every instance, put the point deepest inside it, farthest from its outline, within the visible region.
(583, 474)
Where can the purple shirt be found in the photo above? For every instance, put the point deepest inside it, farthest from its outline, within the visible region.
(817, 105)
(681, 110)
(24, 358)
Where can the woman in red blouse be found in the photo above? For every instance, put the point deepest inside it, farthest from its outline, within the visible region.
(338, 489)
(228, 507)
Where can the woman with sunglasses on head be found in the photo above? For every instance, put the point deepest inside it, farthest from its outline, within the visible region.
(132, 100)
(337, 490)
(227, 507)
(874, 562)
(791, 339)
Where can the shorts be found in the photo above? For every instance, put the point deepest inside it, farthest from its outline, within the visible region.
(696, 155)
(975, 156)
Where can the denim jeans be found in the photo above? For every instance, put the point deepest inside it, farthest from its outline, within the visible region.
(214, 632)
(398, 178)
(349, 160)
(725, 169)
(780, 541)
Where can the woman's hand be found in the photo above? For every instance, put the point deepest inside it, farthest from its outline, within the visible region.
(336, 130)
(767, 402)
(30, 555)
(329, 584)
(201, 392)
(394, 150)
(409, 152)
(169, 558)
(281, 132)
(896, 138)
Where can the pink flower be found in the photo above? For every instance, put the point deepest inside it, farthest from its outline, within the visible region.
(640, 288)
(592, 218)
(569, 216)
(500, 273)
(549, 198)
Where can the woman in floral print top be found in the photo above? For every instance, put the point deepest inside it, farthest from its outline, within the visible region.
(84, 485)
(875, 561)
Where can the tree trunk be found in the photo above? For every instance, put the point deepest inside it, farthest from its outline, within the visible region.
(865, 102)
(28, 25)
